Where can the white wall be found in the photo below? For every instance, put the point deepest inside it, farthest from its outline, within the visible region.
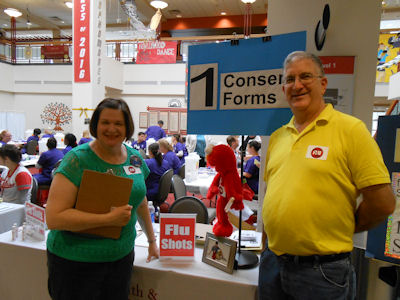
(352, 31)
(7, 101)
(7, 78)
(33, 105)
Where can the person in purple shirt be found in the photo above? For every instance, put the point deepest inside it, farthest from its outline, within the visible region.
(169, 155)
(34, 137)
(85, 138)
(252, 168)
(70, 142)
(179, 148)
(46, 162)
(158, 166)
(156, 132)
(141, 142)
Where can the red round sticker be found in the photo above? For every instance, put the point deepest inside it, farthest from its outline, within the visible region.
(131, 169)
(317, 152)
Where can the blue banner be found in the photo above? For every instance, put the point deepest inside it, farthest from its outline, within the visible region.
(237, 89)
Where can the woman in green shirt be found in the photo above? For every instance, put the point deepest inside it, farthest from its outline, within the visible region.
(89, 267)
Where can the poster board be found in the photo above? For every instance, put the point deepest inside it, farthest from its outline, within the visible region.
(153, 118)
(384, 240)
(238, 89)
(163, 115)
(143, 120)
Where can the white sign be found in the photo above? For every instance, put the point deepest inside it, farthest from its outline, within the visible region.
(35, 221)
(392, 247)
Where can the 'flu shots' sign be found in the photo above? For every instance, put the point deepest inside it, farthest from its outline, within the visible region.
(177, 235)
(238, 89)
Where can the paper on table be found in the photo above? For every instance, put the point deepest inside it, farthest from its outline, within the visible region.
(250, 238)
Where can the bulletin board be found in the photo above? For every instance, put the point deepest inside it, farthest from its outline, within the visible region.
(174, 118)
(384, 240)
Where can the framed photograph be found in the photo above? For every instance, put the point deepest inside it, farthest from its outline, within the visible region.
(219, 252)
(143, 120)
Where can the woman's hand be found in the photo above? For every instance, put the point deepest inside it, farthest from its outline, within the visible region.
(120, 216)
(153, 251)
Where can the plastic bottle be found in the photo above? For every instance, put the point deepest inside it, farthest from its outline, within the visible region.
(152, 211)
(14, 232)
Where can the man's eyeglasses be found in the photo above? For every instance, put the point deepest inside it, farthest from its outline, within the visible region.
(304, 78)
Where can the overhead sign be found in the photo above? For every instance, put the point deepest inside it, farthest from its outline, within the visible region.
(177, 235)
(238, 89)
(157, 52)
(54, 52)
(81, 41)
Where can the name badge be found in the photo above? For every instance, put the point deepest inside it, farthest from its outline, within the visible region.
(317, 152)
(130, 170)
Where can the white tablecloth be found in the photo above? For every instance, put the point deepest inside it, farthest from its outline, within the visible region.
(200, 185)
(24, 276)
(11, 213)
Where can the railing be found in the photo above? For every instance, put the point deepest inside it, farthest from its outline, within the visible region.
(30, 53)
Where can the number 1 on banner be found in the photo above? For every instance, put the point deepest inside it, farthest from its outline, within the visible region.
(203, 87)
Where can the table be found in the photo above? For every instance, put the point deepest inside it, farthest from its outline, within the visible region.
(11, 213)
(200, 185)
(33, 159)
(24, 276)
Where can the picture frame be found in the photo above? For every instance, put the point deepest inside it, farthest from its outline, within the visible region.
(219, 252)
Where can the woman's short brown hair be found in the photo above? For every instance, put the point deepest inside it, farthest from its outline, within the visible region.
(113, 104)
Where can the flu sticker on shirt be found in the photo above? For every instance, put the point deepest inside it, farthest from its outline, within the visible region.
(317, 152)
(130, 170)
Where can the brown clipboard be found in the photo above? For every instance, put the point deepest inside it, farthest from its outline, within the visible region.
(99, 192)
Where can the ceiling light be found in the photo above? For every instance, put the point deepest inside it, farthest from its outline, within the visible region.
(28, 23)
(5, 25)
(179, 16)
(62, 22)
(223, 13)
(69, 4)
(248, 1)
(159, 4)
(12, 12)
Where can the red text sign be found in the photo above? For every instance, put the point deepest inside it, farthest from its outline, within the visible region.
(177, 235)
(157, 52)
(54, 52)
(81, 40)
(338, 64)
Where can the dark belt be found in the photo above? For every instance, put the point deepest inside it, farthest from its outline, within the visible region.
(313, 259)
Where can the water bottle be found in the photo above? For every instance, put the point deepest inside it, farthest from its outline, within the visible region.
(152, 211)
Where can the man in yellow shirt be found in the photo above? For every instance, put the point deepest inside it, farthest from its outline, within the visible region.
(317, 165)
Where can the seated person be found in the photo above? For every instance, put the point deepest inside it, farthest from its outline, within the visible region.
(70, 142)
(16, 181)
(47, 160)
(5, 137)
(156, 132)
(85, 137)
(141, 142)
(34, 137)
(234, 144)
(169, 156)
(157, 166)
(179, 148)
(252, 168)
(48, 133)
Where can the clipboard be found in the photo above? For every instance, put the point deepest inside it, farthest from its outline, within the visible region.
(99, 192)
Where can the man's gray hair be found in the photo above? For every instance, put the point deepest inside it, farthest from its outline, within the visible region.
(298, 55)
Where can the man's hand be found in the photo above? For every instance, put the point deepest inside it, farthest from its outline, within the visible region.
(378, 203)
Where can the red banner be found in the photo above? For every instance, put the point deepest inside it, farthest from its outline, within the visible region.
(338, 64)
(177, 233)
(81, 41)
(54, 52)
(157, 52)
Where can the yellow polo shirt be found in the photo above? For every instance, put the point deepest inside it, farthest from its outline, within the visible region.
(313, 180)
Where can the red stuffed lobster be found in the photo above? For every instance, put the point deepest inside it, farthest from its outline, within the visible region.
(227, 184)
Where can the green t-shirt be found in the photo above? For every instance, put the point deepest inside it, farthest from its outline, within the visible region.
(74, 246)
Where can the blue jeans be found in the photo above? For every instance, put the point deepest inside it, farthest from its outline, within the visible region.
(280, 279)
